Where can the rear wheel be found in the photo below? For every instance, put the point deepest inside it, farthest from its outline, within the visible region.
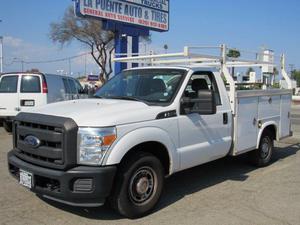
(262, 156)
(7, 126)
(138, 186)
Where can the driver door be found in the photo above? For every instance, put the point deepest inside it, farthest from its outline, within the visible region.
(203, 138)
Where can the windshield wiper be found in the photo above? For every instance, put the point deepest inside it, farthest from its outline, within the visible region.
(130, 99)
(122, 98)
(126, 98)
(117, 97)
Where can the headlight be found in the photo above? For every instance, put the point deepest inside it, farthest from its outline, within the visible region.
(93, 143)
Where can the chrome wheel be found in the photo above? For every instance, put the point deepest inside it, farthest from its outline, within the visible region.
(142, 185)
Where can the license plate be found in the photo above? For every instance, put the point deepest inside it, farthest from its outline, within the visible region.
(27, 103)
(26, 179)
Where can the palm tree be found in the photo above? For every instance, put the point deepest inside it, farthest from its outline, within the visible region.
(233, 53)
(250, 69)
(166, 47)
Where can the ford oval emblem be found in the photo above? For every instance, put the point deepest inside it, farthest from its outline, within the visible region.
(32, 141)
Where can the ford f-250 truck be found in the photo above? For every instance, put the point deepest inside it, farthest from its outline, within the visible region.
(143, 125)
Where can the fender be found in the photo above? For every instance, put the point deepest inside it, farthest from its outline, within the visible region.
(139, 136)
(266, 124)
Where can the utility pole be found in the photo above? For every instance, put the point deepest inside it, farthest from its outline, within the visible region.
(70, 67)
(18, 60)
(292, 66)
(22, 62)
(85, 64)
(1, 54)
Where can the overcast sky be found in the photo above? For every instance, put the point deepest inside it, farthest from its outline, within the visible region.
(242, 24)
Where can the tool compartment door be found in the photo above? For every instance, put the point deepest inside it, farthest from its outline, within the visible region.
(285, 115)
(246, 124)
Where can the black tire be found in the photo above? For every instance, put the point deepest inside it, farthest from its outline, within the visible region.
(7, 126)
(138, 185)
(262, 156)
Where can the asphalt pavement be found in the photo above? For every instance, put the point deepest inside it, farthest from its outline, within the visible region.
(227, 191)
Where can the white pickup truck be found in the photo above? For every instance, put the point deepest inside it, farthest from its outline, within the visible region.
(145, 124)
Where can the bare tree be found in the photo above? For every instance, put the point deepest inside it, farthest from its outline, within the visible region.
(89, 32)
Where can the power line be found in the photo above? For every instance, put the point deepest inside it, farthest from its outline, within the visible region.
(18, 60)
(47, 61)
(68, 59)
(56, 60)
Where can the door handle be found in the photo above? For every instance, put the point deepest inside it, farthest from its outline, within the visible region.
(225, 118)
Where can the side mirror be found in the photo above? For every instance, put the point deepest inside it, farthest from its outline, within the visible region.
(204, 104)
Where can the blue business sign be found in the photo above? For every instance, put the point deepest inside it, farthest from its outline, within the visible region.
(152, 14)
(93, 78)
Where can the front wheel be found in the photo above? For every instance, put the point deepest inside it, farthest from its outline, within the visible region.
(262, 156)
(139, 185)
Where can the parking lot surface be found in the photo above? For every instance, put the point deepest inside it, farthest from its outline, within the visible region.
(227, 191)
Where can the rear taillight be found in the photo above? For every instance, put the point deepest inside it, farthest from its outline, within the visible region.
(45, 87)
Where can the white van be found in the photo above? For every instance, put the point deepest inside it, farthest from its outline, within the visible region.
(24, 91)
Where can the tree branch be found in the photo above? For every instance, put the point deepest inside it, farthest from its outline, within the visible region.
(89, 32)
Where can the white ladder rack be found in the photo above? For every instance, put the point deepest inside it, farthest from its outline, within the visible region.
(191, 57)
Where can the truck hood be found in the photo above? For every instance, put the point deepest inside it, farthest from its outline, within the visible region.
(101, 112)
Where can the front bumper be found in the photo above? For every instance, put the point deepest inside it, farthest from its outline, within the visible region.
(81, 186)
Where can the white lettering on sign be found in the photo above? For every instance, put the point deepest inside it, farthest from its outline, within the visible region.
(153, 14)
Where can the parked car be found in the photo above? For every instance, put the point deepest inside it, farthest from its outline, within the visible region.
(144, 125)
(21, 92)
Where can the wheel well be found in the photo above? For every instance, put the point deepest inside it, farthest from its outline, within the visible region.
(272, 130)
(155, 148)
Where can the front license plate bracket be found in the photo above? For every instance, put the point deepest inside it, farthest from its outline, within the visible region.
(26, 179)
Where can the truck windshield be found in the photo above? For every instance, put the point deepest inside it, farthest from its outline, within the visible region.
(156, 86)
